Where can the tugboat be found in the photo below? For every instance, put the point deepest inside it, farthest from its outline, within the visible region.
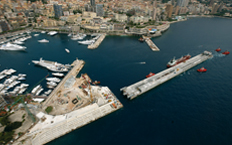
(174, 61)
(150, 74)
(141, 39)
(202, 69)
(218, 49)
(226, 52)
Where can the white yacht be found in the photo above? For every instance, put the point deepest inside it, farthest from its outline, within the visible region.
(52, 33)
(75, 37)
(58, 74)
(36, 35)
(43, 32)
(53, 79)
(50, 65)
(9, 71)
(22, 90)
(12, 47)
(67, 50)
(48, 92)
(43, 41)
(52, 84)
(81, 36)
(36, 89)
(70, 34)
(86, 42)
(39, 91)
(18, 42)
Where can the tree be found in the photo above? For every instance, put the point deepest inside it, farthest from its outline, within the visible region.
(49, 109)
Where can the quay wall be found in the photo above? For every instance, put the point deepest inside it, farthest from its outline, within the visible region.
(93, 112)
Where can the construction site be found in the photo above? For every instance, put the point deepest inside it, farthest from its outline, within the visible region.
(74, 103)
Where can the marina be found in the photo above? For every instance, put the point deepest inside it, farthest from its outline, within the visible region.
(151, 82)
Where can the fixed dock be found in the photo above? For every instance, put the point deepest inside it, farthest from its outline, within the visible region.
(151, 44)
(147, 84)
(98, 42)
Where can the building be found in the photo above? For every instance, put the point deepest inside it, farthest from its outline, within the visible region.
(99, 10)
(92, 2)
(121, 17)
(176, 10)
(215, 8)
(58, 10)
(182, 3)
(4, 25)
(154, 13)
(169, 9)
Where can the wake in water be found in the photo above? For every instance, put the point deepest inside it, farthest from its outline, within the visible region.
(142, 62)
(218, 54)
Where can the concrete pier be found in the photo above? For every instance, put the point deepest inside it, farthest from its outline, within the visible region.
(151, 44)
(97, 43)
(147, 84)
(77, 66)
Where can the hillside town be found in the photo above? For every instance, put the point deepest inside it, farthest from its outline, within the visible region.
(101, 15)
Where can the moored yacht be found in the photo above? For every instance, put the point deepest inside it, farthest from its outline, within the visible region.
(43, 41)
(52, 33)
(12, 47)
(86, 42)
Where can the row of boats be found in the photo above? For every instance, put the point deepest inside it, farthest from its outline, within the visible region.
(51, 84)
(80, 36)
(11, 82)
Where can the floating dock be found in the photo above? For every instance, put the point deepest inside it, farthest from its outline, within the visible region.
(151, 44)
(147, 84)
(97, 43)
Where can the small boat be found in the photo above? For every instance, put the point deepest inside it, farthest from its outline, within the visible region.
(50, 87)
(67, 50)
(52, 84)
(21, 78)
(218, 49)
(70, 34)
(53, 79)
(43, 41)
(202, 69)
(43, 32)
(96, 82)
(226, 52)
(58, 74)
(52, 33)
(150, 74)
(36, 35)
(141, 39)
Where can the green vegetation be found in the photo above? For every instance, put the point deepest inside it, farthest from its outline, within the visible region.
(5, 137)
(12, 126)
(4, 120)
(49, 109)
(7, 134)
(77, 11)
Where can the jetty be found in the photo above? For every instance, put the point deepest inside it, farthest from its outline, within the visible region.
(98, 42)
(147, 84)
(150, 43)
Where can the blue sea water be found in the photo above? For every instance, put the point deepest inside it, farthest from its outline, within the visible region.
(193, 108)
